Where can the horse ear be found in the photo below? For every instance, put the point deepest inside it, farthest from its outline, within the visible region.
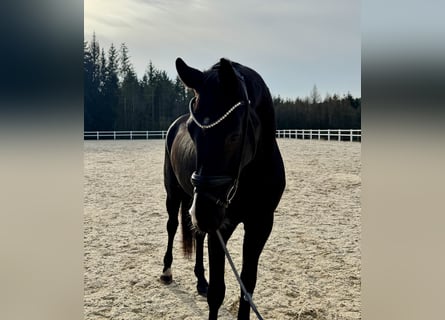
(191, 77)
(227, 74)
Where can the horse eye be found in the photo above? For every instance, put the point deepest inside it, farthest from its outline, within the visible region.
(233, 138)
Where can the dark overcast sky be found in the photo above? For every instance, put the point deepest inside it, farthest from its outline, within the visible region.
(294, 45)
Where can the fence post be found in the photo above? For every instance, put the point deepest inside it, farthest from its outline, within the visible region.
(97, 135)
(339, 135)
(351, 135)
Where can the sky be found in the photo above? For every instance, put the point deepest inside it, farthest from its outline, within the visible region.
(293, 45)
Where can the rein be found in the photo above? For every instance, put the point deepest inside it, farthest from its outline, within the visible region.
(247, 295)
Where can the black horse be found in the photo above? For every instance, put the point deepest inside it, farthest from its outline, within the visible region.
(223, 164)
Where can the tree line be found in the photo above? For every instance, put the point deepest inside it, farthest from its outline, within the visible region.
(333, 112)
(115, 99)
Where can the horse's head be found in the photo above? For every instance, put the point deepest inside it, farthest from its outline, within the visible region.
(223, 127)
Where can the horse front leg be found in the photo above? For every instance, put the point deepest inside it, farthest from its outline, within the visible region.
(172, 225)
(255, 238)
(217, 286)
(202, 285)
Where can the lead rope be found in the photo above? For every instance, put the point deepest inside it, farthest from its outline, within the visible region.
(247, 295)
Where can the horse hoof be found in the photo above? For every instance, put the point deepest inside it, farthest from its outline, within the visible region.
(166, 279)
(202, 290)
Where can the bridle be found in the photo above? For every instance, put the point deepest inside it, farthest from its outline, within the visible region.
(203, 183)
(216, 122)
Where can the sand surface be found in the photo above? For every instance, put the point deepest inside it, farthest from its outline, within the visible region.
(309, 269)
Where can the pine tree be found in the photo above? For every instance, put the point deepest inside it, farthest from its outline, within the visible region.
(88, 90)
(130, 97)
(112, 84)
(95, 56)
(125, 66)
(91, 84)
(102, 70)
(314, 96)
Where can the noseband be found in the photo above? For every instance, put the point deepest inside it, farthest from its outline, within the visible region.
(202, 183)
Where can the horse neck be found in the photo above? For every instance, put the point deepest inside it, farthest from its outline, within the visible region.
(266, 113)
(267, 142)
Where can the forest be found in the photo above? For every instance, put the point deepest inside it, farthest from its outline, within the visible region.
(115, 99)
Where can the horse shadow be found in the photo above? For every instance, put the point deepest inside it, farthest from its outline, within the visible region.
(195, 304)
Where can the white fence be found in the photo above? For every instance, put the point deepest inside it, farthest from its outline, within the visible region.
(123, 135)
(321, 134)
(305, 134)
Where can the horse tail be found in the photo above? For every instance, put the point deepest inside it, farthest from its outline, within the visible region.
(188, 233)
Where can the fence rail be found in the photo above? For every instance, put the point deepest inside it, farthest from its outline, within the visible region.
(321, 134)
(124, 135)
(305, 134)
